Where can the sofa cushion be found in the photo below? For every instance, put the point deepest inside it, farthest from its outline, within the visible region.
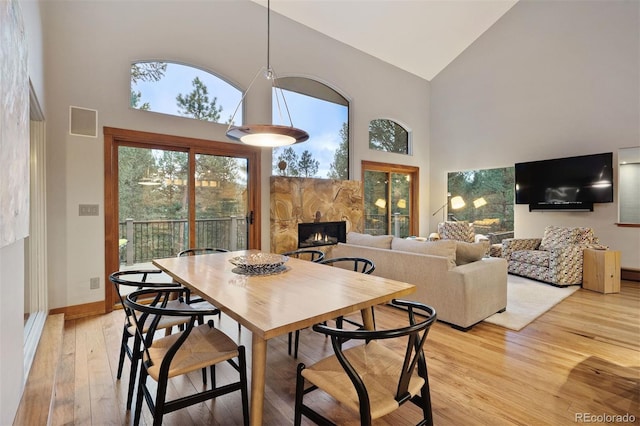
(377, 241)
(532, 257)
(470, 252)
(443, 248)
(557, 236)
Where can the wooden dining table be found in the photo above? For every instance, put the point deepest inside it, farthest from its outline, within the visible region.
(303, 294)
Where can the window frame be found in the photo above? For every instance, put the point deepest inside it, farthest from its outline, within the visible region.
(414, 189)
(409, 150)
(114, 137)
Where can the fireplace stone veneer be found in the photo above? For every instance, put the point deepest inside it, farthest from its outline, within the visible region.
(296, 200)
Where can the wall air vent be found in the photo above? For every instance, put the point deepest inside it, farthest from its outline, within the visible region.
(83, 122)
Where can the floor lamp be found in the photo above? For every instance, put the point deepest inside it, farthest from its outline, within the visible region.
(443, 206)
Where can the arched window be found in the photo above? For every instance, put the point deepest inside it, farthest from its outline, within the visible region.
(387, 135)
(324, 114)
(183, 90)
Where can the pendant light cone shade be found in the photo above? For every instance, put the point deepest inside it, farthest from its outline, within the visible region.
(267, 135)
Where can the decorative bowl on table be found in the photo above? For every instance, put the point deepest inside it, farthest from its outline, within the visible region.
(259, 264)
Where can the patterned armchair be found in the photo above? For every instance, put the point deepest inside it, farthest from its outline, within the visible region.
(556, 258)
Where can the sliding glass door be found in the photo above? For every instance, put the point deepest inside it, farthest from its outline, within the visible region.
(164, 194)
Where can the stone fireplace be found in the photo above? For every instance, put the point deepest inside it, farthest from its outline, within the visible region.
(312, 201)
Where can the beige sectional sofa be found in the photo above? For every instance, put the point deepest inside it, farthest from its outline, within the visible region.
(453, 277)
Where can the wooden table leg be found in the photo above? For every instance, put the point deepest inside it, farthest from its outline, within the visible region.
(258, 372)
(367, 318)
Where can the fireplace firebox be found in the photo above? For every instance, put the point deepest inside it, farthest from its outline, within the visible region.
(321, 233)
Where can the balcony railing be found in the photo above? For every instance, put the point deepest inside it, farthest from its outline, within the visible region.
(142, 241)
(376, 224)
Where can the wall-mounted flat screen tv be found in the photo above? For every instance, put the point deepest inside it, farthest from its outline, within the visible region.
(572, 182)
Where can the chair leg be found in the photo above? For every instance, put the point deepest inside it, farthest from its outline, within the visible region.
(297, 417)
(140, 397)
(426, 403)
(244, 392)
(295, 345)
(123, 351)
(135, 359)
(161, 397)
(213, 377)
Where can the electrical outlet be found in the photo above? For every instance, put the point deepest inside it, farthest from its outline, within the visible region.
(88, 210)
(94, 283)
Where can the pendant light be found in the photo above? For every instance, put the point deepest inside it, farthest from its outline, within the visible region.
(267, 135)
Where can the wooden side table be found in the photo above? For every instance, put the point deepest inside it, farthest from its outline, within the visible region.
(601, 270)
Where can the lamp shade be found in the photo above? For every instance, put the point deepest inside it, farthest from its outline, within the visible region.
(402, 203)
(479, 202)
(457, 202)
(381, 202)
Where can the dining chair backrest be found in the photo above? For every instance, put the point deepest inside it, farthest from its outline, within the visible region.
(125, 282)
(138, 279)
(193, 348)
(307, 254)
(201, 250)
(360, 375)
(357, 264)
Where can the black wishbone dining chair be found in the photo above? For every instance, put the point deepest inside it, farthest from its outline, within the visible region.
(201, 250)
(356, 264)
(306, 254)
(371, 379)
(196, 347)
(314, 256)
(125, 282)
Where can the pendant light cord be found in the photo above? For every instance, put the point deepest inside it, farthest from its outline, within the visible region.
(268, 37)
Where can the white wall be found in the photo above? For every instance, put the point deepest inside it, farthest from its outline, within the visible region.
(89, 48)
(12, 257)
(11, 335)
(549, 79)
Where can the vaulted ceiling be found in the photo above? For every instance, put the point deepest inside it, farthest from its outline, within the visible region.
(418, 36)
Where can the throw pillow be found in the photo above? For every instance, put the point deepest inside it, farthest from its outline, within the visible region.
(470, 252)
(443, 248)
(376, 241)
(460, 231)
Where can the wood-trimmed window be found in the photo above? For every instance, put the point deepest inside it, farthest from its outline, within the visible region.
(390, 199)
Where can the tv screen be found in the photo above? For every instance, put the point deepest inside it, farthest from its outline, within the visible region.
(585, 179)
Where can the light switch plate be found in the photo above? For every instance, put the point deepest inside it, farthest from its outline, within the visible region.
(88, 210)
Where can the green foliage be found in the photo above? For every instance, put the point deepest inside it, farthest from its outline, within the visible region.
(307, 166)
(145, 71)
(196, 104)
(496, 186)
(303, 166)
(339, 169)
(135, 101)
(387, 135)
(290, 157)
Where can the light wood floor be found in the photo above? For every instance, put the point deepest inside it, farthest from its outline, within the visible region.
(581, 358)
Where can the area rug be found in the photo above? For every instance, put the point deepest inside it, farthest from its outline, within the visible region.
(527, 300)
